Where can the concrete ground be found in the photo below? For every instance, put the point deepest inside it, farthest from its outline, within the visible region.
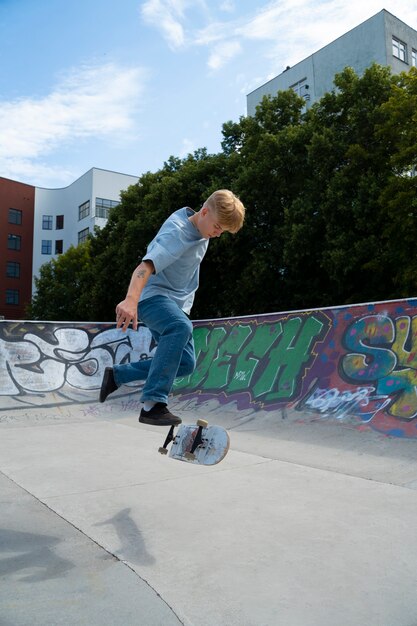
(302, 524)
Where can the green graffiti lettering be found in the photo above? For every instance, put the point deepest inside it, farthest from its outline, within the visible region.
(206, 341)
(219, 373)
(286, 359)
(248, 360)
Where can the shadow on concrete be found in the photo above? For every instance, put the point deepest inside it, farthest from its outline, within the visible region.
(31, 551)
(132, 545)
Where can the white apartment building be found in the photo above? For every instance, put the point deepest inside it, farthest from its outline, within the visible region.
(65, 217)
(383, 39)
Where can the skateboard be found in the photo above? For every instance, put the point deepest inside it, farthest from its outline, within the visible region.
(198, 443)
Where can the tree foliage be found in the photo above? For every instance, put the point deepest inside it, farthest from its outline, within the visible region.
(331, 209)
(62, 287)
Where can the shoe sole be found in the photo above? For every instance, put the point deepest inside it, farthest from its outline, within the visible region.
(159, 421)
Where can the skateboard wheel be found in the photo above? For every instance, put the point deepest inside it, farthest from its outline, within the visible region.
(163, 450)
(202, 423)
(189, 456)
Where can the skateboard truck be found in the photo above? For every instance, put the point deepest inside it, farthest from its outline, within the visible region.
(170, 437)
(198, 440)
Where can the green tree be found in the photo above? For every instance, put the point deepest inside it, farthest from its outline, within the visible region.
(61, 287)
(398, 130)
(340, 223)
(331, 209)
(266, 149)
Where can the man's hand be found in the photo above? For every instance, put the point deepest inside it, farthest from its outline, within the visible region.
(126, 312)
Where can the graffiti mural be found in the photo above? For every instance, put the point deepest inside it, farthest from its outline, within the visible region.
(356, 363)
(46, 357)
(266, 360)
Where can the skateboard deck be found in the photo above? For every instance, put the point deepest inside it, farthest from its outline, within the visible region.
(198, 443)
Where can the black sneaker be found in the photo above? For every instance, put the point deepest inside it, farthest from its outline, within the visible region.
(108, 385)
(159, 415)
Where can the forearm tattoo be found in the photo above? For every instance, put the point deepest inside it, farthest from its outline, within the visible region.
(141, 274)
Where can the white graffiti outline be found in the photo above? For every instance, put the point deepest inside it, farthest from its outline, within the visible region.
(340, 404)
(73, 357)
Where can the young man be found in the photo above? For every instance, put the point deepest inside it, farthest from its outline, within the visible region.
(161, 294)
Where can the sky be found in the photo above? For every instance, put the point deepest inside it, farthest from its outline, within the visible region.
(123, 85)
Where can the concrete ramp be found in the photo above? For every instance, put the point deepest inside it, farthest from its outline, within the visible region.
(307, 521)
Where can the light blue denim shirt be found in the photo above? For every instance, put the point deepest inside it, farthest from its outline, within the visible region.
(176, 252)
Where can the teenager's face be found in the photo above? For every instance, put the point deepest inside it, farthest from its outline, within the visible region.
(208, 224)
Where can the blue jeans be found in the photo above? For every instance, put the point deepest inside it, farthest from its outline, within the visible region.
(174, 355)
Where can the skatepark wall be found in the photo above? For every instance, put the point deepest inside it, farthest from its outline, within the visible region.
(353, 364)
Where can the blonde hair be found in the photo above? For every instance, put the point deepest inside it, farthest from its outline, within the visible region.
(228, 209)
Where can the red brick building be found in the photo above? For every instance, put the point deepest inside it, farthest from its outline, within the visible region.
(17, 202)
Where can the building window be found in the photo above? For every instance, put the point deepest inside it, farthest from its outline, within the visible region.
(12, 296)
(83, 210)
(301, 89)
(59, 244)
(14, 242)
(13, 269)
(103, 207)
(15, 216)
(399, 49)
(82, 235)
(59, 222)
(414, 57)
(46, 246)
(47, 222)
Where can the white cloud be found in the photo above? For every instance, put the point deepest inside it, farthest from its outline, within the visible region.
(332, 17)
(33, 172)
(267, 23)
(93, 102)
(168, 16)
(188, 147)
(212, 33)
(228, 6)
(223, 53)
